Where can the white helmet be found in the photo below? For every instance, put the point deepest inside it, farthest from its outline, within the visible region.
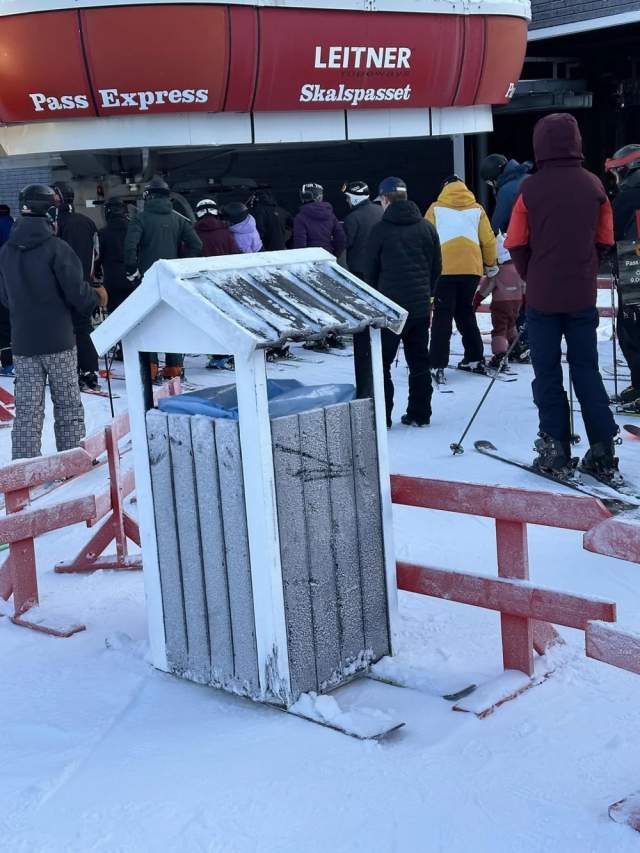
(207, 207)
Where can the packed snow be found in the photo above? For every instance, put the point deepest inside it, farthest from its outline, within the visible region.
(102, 753)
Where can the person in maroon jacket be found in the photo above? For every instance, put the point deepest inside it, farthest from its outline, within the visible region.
(561, 226)
(216, 237)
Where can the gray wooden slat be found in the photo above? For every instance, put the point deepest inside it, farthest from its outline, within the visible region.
(317, 502)
(167, 539)
(186, 507)
(234, 518)
(213, 550)
(293, 554)
(344, 539)
(370, 535)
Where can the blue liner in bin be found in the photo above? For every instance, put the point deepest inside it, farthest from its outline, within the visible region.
(286, 397)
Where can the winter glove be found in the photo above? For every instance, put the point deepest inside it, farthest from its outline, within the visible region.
(491, 272)
(134, 277)
(477, 300)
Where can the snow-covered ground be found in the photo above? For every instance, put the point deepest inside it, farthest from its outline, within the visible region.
(99, 752)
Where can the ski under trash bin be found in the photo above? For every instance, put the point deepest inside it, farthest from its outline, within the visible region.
(266, 526)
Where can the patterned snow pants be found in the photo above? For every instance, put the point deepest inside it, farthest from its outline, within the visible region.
(32, 373)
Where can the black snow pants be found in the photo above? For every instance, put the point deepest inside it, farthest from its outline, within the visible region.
(454, 301)
(415, 340)
(87, 355)
(629, 338)
(545, 337)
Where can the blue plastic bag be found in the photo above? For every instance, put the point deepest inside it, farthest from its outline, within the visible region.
(286, 397)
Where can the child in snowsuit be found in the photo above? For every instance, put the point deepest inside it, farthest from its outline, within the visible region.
(507, 290)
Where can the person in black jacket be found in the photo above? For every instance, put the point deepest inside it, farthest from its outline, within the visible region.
(363, 215)
(404, 263)
(159, 233)
(274, 223)
(42, 284)
(109, 264)
(81, 234)
(625, 166)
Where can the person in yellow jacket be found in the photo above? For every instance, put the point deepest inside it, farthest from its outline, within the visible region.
(468, 251)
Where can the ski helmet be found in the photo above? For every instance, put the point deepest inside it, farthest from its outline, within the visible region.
(452, 179)
(356, 192)
(157, 186)
(311, 192)
(625, 161)
(236, 212)
(492, 167)
(207, 207)
(64, 191)
(37, 200)
(114, 208)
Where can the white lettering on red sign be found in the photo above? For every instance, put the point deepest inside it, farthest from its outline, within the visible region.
(111, 98)
(363, 57)
(141, 101)
(313, 93)
(42, 102)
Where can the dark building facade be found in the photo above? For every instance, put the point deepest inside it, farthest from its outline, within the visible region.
(548, 14)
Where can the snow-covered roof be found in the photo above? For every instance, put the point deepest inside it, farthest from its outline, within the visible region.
(257, 300)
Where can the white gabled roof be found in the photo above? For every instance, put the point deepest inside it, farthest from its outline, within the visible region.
(256, 301)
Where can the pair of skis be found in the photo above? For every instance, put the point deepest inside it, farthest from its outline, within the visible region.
(615, 498)
(490, 373)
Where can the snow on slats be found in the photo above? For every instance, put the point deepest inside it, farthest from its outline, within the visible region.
(291, 301)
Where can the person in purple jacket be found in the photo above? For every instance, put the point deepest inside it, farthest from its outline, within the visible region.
(243, 227)
(316, 224)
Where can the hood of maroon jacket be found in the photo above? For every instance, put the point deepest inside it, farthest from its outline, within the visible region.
(566, 217)
(216, 237)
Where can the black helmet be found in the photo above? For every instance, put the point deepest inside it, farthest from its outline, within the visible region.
(207, 207)
(311, 192)
(236, 212)
(625, 161)
(114, 207)
(37, 200)
(157, 187)
(64, 191)
(492, 167)
(356, 188)
(452, 179)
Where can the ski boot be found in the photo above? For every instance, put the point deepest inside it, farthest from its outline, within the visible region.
(473, 366)
(278, 353)
(411, 420)
(629, 395)
(220, 362)
(601, 462)
(520, 354)
(335, 341)
(438, 376)
(554, 457)
(8, 372)
(88, 381)
(498, 362)
(320, 345)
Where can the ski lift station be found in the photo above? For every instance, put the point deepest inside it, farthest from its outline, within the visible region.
(265, 526)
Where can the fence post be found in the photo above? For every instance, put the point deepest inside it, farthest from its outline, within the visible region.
(513, 562)
(22, 559)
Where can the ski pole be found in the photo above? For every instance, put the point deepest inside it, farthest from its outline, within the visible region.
(575, 438)
(614, 332)
(108, 372)
(457, 447)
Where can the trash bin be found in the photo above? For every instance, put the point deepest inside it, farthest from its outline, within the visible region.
(330, 539)
(265, 507)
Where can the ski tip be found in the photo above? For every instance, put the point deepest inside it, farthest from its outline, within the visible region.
(632, 429)
(483, 444)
